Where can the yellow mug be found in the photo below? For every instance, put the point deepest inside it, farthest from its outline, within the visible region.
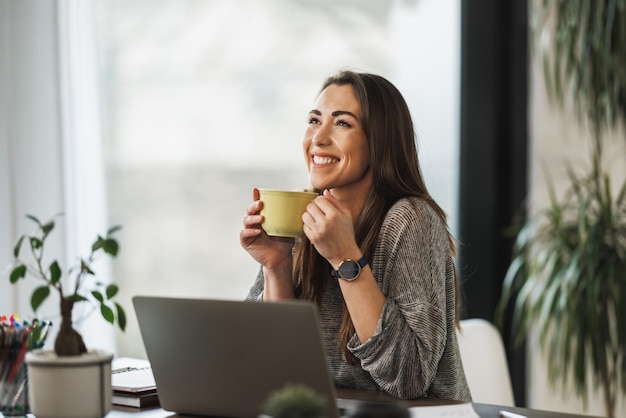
(283, 211)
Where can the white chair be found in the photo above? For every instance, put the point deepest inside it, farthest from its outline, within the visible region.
(484, 362)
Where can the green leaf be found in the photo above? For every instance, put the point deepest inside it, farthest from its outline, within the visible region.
(77, 298)
(32, 218)
(39, 295)
(113, 230)
(112, 290)
(17, 273)
(99, 243)
(111, 247)
(107, 313)
(35, 243)
(47, 228)
(55, 272)
(98, 296)
(18, 246)
(121, 316)
(85, 268)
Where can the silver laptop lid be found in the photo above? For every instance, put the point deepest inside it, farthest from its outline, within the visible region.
(223, 358)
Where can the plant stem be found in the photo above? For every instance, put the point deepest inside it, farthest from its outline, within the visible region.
(68, 342)
(38, 259)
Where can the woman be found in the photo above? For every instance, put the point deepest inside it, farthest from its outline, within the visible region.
(377, 256)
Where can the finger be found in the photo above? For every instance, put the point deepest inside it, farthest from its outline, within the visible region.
(328, 197)
(307, 219)
(325, 206)
(308, 232)
(254, 208)
(314, 210)
(247, 237)
(256, 195)
(246, 234)
(253, 221)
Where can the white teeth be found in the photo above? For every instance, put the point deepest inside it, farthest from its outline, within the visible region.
(324, 160)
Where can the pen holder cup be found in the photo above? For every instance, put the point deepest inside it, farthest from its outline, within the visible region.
(14, 394)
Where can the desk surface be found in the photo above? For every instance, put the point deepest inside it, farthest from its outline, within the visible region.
(483, 410)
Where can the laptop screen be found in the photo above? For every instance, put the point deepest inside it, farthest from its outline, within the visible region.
(224, 358)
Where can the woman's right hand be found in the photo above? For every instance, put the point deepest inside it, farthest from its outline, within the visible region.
(271, 252)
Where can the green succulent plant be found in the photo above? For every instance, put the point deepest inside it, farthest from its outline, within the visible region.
(68, 341)
(294, 401)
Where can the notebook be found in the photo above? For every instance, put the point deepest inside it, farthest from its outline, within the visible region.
(133, 383)
(224, 358)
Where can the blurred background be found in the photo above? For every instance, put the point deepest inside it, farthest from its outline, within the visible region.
(161, 116)
(204, 99)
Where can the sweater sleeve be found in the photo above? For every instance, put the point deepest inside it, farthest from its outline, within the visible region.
(256, 290)
(410, 266)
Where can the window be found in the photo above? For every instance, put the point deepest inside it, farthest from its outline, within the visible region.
(205, 99)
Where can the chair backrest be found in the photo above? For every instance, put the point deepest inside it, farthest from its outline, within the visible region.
(484, 362)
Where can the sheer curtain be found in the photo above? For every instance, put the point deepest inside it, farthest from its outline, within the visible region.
(50, 145)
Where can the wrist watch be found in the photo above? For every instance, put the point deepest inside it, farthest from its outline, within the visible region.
(349, 269)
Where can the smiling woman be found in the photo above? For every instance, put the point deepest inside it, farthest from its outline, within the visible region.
(204, 99)
(335, 146)
(376, 256)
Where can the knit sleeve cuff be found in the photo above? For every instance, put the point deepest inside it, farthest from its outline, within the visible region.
(370, 347)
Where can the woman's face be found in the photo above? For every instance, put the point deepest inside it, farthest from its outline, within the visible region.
(335, 147)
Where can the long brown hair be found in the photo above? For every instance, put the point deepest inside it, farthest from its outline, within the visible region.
(388, 126)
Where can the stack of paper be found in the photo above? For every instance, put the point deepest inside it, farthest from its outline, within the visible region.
(133, 383)
(464, 410)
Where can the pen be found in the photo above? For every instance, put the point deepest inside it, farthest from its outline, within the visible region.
(507, 414)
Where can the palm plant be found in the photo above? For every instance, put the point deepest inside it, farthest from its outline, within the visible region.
(569, 278)
(568, 273)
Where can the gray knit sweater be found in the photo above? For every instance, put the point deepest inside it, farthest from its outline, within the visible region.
(414, 352)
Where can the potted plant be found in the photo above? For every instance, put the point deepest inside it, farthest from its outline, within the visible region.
(567, 278)
(294, 401)
(90, 368)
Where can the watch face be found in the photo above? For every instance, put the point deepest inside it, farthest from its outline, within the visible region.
(349, 269)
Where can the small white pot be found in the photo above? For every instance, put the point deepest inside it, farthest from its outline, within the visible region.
(69, 387)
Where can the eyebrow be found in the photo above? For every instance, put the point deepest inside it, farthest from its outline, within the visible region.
(336, 113)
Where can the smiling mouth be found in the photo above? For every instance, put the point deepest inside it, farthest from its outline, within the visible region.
(324, 160)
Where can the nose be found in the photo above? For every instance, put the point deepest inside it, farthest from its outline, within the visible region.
(321, 136)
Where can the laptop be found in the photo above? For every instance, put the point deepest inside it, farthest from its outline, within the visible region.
(224, 358)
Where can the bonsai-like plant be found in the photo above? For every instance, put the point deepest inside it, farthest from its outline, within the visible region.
(294, 401)
(568, 274)
(68, 341)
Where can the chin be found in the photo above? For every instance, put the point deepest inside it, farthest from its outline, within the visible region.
(316, 184)
(320, 185)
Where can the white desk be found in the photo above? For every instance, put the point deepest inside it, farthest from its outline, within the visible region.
(483, 410)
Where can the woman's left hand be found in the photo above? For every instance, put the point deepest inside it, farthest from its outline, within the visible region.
(329, 227)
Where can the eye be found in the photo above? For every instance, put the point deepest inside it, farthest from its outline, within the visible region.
(343, 123)
(313, 120)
